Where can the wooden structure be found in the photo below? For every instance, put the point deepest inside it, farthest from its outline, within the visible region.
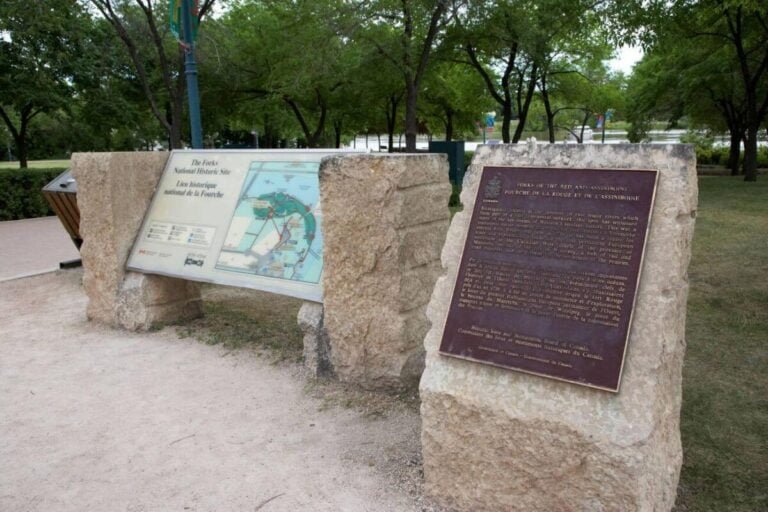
(61, 194)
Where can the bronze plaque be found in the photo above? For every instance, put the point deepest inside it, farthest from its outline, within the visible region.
(549, 273)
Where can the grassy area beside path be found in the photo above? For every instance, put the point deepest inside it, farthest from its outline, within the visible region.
(725, 379)
(37, 164)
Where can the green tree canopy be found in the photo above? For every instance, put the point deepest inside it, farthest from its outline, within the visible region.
(39, 45)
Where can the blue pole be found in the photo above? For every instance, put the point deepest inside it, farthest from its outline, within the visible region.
(190, 70)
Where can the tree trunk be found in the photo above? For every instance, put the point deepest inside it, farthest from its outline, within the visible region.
(391, 121)
(506, 118)
(21, 150)
(270, 138)
(548, 111)
(312, 138)
(505, 100)
(411, 124)
(448, 125)
(175, 135)
(583, 124)
(522, 114)
(337, 133)
(177, 109)
(19, 136)
(734, 152)
(750, 153)
(21, 141)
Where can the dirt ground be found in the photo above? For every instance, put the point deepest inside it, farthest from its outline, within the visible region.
(95, 419)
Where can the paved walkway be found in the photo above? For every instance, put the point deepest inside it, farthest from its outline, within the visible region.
(33, 246)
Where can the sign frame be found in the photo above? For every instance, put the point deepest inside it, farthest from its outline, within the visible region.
(293, 288)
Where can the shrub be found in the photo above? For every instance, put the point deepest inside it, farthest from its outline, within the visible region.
(712, 156)
(762, 156)
(455, 193)
(702, 140)
(468, 158)
(455, 201)
(20, 192)
(719, 156)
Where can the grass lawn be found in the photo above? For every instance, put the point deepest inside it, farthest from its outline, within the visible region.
(36, 164)
(725, 380)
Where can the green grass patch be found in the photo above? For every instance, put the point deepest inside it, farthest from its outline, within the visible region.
(236, 318)
(37, 164)
(725, 379)
(371, 404)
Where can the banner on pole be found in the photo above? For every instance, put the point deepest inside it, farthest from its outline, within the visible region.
(174, 14)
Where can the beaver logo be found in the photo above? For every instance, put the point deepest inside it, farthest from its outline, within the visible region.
(493, 188)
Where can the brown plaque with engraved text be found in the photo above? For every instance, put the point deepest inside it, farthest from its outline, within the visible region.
(549, 273)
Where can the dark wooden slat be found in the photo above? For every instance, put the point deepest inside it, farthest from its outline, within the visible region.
(70, 203)
(61, 212)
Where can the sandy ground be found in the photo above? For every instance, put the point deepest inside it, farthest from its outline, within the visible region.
(32, 246)
(94, 419)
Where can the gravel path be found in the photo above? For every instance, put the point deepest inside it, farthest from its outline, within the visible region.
(95, 419)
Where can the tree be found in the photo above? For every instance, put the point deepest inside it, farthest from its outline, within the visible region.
(406, 32)
(736, 31)
(713, 58)
(518, 46)
(586, 91)
(579, 48)
(743, 27)
(454, 96)
(653, 92)
(307, 73)
(491, 36)
(39, 42)
(158, 60)
(108, 108)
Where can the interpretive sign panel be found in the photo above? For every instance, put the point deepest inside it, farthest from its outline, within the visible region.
(550, 270)
(241, 218)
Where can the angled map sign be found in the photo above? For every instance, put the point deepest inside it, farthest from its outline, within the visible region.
(241, 218)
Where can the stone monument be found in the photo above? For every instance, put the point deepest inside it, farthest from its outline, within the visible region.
(385, 221)
(385, 217)
(114, 191)
(502, 439)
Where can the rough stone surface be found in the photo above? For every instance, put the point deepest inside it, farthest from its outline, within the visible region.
(317, 348)
(114, 191)
(495, 439)
(384, 221)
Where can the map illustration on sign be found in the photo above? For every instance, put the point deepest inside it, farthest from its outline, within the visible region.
(275, 230)
(248, 218)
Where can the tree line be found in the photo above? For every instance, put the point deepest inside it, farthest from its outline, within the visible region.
(707, 62)
(107, 74)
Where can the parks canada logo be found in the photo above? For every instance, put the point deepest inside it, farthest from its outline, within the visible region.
(493, 188)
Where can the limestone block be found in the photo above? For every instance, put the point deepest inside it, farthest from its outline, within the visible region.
(421, 205)
(384, 221)
(317, 357)
(114, 192)
(495, 439)
(417, 283)
(419, 244)
(145, 301)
